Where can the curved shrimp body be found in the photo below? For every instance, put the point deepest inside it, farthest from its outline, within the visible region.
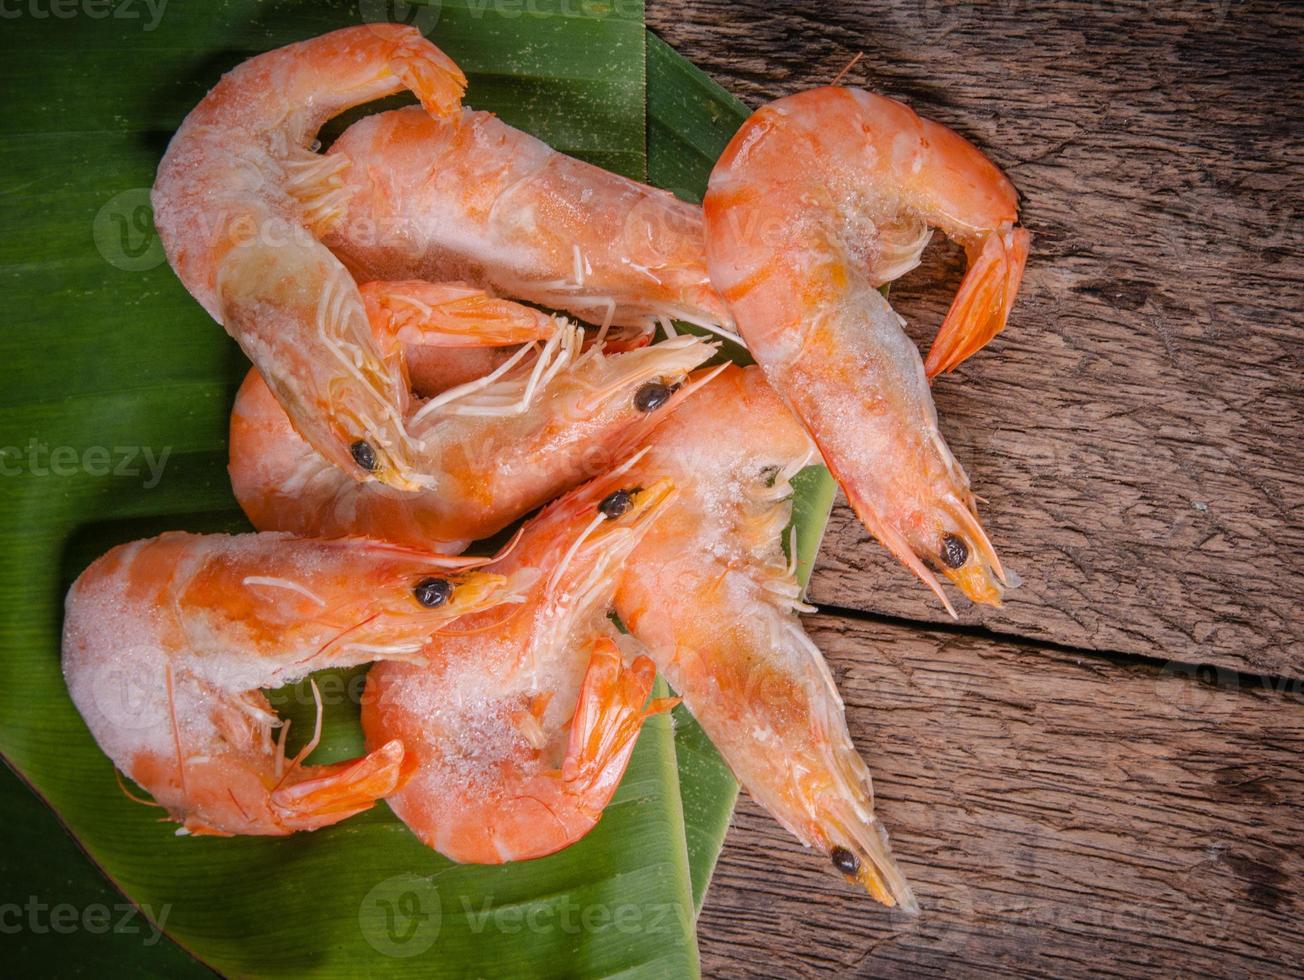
(473, 199)
(736, 653)
(240, 201)
(494, 774)
(497, 450)
(819, 198)
(168, 641)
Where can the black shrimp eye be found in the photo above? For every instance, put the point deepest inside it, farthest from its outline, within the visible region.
(954, 551)
(652, 396)
(364, 455)
(845, 861)
(615, 504)
(432, 592)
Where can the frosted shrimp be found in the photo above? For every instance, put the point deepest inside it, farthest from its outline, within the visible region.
(168, 641)
(711, 595)
(495, 775)
(470, 198)
(506, 444)
(819, 198)
(240, 201)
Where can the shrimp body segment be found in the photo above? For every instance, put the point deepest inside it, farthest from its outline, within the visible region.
(520, 726)
(240, 201)
(168, 641)
(550, 422)
(470, 198)
(711, 595)
(818, 199)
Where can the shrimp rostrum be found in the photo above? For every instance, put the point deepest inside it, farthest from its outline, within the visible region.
(168, 642)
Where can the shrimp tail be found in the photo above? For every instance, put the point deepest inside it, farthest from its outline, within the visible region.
(328, 794)
(432, 314)
(427, 72)
(608, 717)
(868, 861)
(983, 302)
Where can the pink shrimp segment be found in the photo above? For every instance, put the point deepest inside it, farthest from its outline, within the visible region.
(470, 198)
(505, 445)
(240, 200)
(167, 643)
(494, 774)
(819, 198)
(711, 594)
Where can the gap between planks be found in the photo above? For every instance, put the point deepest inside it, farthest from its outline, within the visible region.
(1209, 674)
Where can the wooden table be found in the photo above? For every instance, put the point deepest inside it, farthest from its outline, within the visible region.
(1104, 776)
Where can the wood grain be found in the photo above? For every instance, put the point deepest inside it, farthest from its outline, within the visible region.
(1137, 429)
(1057, 816)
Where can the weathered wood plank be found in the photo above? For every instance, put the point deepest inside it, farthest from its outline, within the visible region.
(1137, 429)
(1057, 815)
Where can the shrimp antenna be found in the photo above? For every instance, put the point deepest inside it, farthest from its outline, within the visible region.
(850, 65)
(313, 742)
(481, 629)
(117, 774)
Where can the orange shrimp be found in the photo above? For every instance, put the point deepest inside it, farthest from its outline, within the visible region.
(501, 446)
(819, 198)
(167, 643)
(736, 651)
(494, 774)
(468, 197)
(240, 201)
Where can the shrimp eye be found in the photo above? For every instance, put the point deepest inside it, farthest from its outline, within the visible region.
(615, 504)
(364, 455)
(954, 551)
(845, 861)
(652, 396)
(432, 592)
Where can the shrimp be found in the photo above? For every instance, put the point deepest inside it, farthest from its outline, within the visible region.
(240, 201)
(507, 444)
(818, 199)
(736, 653)
(167, 641)
(470, 198)
(493, 774)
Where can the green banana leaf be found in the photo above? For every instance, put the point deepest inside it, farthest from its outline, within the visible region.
(137, 368)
